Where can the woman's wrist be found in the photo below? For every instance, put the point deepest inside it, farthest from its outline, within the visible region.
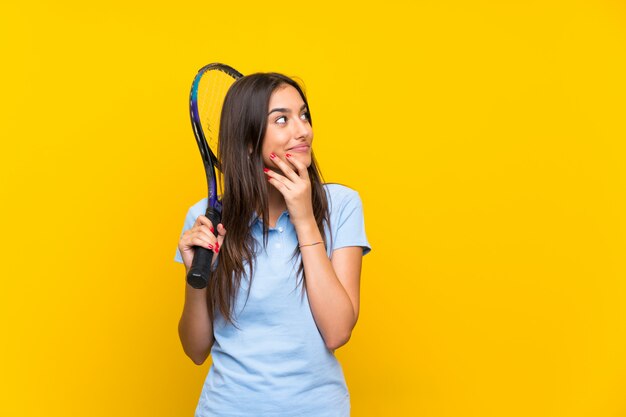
(310, 244)
(308, 232)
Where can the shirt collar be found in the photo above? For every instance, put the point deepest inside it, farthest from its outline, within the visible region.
(257, 219)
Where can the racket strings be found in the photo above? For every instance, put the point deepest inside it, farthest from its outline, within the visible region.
(212, 90)
(214, 86)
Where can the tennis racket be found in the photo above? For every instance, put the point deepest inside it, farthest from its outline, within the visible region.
(208, 91)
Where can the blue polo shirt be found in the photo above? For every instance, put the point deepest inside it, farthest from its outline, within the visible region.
(276, 363)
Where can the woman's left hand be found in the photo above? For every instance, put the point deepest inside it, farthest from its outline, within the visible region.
(294, 185)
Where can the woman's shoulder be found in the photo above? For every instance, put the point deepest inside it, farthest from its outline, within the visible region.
(347, 226)
(334, 189)
(339, 194)
(198, 208)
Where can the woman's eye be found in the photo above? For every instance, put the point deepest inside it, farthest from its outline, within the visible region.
(305, 116)
(281, 120)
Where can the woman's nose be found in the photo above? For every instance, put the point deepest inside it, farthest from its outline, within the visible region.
(302, 128)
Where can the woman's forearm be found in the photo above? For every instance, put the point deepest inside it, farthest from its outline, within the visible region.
(332, 308)
(195, 328)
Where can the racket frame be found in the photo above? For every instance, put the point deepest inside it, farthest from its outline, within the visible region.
(200, 271)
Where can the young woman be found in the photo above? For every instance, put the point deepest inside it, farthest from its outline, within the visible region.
(284, 293)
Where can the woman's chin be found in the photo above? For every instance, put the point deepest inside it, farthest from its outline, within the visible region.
(303, 158)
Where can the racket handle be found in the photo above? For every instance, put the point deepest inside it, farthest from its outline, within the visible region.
(200, 271)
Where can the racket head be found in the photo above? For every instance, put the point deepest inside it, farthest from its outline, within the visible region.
(208, 91)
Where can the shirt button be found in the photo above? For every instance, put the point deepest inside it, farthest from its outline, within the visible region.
(280, 229)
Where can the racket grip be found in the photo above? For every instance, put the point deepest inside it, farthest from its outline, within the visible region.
(200, 271)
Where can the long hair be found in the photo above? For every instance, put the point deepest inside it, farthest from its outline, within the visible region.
(245, 195)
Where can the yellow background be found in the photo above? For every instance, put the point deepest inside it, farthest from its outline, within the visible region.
(486, 139)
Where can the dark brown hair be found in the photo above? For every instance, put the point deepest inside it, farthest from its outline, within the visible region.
(242, 129)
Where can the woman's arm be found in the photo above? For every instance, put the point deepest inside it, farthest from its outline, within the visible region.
(195, 328)
(332, 286)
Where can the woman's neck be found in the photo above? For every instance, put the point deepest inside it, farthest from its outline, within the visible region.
(276, 205)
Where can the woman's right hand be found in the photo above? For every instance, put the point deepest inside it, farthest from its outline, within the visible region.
(201, 234)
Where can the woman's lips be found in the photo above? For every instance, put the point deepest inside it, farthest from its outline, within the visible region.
(301, 148)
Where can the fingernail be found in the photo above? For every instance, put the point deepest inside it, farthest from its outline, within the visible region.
(266, 170)
(217, 246)
(212, 230)
(288, 155)
(209, 246)
(272, 155)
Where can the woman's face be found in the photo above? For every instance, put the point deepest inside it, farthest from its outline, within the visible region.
(288, 128)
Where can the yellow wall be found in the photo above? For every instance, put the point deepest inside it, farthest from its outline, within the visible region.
(486, 139)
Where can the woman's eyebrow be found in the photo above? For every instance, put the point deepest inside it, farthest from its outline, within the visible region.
(284, 110)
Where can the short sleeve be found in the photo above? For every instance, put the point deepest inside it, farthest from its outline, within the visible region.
(350, 224)
(192, 214)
